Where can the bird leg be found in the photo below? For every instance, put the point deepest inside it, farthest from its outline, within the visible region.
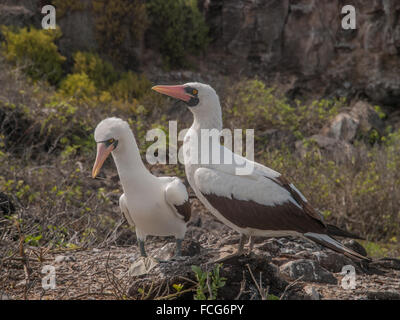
(141, 247)
(178, 251)
(238, 252)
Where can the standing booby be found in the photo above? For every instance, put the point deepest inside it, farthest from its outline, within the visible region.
(260, 203)
(157, 206)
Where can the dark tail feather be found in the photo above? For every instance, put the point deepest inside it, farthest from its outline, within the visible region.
(335, 231)
(331, 243)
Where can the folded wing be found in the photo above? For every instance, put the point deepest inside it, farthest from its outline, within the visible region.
(178, 198)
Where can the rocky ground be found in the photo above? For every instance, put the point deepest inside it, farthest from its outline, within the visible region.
(285, 268)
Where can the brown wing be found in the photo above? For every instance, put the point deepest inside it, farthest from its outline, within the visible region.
(284, 183)
(250, 214)
(184, 210)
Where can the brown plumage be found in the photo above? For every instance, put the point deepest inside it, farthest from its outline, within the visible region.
(184, 210)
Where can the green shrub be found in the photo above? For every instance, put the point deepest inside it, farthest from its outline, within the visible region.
(34, 50)
(101, 72)
(255, 105)
(77, 85)
(130, 86)
(179, 27)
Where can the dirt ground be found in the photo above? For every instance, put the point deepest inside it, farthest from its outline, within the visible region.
(269, 271)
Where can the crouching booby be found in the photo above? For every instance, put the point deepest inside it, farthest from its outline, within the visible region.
(157, 206)
(259, 203)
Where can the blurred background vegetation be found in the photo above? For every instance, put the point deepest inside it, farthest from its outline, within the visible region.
(51, 100)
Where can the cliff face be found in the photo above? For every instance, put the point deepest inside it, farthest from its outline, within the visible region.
(305, 38)
(302, 39)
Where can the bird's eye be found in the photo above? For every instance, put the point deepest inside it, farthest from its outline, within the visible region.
(195, 91)
(111, 141)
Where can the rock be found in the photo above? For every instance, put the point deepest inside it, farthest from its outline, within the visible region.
(346, 127)
(341, 151)
(332, 261)
(387, 263)
(261, 267)
(16, 15)
(190, 248)
(142, 266)
(166, 252)
(312, 292)
(307, 270)
(342, 127)
(271, 246)
(367, 118)
(383, 295)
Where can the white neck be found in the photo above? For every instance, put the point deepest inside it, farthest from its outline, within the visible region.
(132, 172)
(207, 116)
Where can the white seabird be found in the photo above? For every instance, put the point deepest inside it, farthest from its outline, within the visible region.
(157, 206)
(260, 203)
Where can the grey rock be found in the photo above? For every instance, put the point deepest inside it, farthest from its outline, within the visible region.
(383, 295)
(387, 263)
(15, 15)
(342, 127)
(312, 292)
(341, 151)
(332, 261)
(367, 118)
(307, 270)
(271, 246)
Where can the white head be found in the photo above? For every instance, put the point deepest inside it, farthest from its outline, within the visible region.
(201, 99)
(111, 134)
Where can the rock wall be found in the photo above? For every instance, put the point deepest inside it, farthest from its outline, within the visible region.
(302, 39)
(305, 38)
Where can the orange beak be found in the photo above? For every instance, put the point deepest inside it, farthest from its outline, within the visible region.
(102, 153)
(177, 92)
